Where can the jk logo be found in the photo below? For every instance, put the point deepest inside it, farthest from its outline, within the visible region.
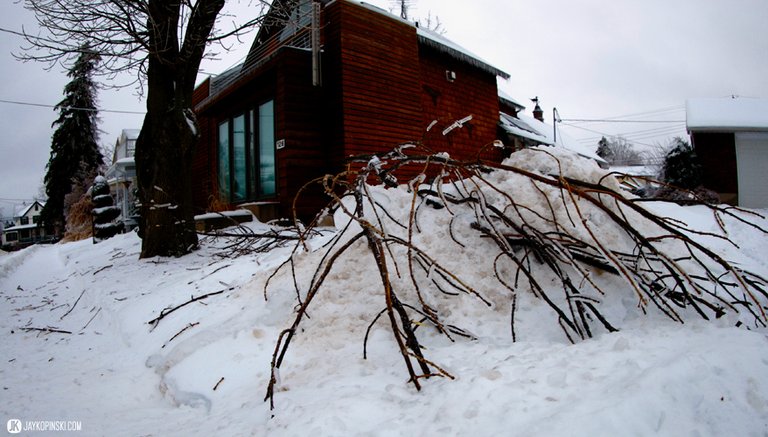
(14, 426)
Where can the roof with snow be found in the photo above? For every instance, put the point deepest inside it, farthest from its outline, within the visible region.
(543, 133)
(131, 134)
(24, 210)
(506, 98)
(727, 114)
(444, 45)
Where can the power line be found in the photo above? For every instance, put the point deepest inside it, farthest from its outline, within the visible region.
(73, 108)
(676, 108)
(602, 133)
(606, 120)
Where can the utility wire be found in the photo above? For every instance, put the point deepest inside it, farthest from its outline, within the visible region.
(73, 108)
(606, 120)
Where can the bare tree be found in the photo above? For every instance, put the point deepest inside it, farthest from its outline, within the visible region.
(432, 22)
(163, 43)
(618, 151)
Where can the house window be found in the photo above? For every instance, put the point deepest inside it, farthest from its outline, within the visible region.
(246, 153)
(36, 219)
(25, 220)
(11, 236)
(224, 180)
(267, 182)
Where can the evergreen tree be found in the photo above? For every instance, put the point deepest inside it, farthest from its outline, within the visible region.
(74, 148)
(681, 166)
(604, 149)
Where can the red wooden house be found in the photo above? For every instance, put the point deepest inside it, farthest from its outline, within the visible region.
(325, 80)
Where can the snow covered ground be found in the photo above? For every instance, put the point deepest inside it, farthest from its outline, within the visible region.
(204, 369)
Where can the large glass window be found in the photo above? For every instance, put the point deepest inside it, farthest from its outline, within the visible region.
(247, 155)
(224, 182)
(267, 183)
(240, 158)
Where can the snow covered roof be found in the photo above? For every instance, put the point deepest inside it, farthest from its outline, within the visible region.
(131, 134)
(24, 210)
(504, 97)
(635, 170)
(21, 227)
(442, 44)
(528, 127)
(727, 114)
(518, 127)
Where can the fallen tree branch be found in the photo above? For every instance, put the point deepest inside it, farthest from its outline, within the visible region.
(73, 306)
(168, 311)
(191, 325)
(47, 330)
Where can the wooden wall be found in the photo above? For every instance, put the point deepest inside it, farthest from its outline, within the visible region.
(473, 92)
(379, 79)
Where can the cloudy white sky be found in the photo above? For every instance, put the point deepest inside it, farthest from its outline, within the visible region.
(592, 59)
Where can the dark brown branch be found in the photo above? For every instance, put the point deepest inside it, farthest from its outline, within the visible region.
(164, 313)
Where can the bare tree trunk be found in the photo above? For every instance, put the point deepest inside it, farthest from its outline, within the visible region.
(164, 169)
(165, 145)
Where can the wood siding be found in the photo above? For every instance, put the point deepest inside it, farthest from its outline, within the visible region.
(473, 92)
(378, 69)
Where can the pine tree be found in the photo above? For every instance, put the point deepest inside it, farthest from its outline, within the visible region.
(74, 148)
(681, 166)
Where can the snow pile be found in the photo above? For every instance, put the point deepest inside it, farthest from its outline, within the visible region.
(204, 368)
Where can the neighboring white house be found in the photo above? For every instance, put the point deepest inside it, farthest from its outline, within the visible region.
(730, 136)
(26, 227)
(121, 176)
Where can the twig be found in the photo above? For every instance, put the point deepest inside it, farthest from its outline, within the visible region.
(218, 383)
(167, 311)
(73, 306)
(89, 321)
(102, 269)
(49, 330)
(191, 325)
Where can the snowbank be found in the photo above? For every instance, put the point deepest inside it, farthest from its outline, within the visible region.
(204, 368)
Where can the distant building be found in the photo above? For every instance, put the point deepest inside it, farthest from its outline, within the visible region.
(730, 136)
(25, 228)
(121, 176)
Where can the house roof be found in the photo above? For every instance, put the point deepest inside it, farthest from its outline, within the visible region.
(281, 9)
(24, 210)
(21, 227)
(131, 134)
(442, 44)
(506, 98)
(727, 114)
(543, 133)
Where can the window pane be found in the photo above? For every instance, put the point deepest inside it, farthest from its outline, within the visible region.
(252, 153)
(239, 190)
(267, 181)
(224, 160)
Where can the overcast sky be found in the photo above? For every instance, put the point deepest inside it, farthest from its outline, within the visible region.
(592, 59)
